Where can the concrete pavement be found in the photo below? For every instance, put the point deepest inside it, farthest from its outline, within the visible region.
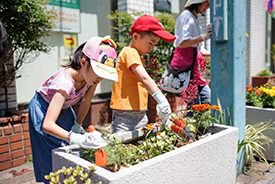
(266, 177)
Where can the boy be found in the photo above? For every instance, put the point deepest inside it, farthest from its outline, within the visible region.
(130, 94)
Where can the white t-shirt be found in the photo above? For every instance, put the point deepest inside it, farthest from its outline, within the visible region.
(187, 26)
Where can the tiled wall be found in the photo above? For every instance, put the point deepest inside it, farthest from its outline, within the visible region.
(146, 6)
(256, 42)
(15, 146)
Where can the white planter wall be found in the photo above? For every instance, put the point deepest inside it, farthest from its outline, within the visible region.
(256, 115)
(209, 160)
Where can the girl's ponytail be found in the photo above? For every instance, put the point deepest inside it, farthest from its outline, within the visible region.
(78, 54)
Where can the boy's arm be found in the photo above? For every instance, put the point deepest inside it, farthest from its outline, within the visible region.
(163, 107)
(144, 78)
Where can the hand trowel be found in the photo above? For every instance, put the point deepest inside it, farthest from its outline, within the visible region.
(100, 156)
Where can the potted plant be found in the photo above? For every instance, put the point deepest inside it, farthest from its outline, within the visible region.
(260, 108)
(163, 157)
(263, 77)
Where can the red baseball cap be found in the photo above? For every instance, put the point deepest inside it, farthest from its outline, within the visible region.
(150, 23)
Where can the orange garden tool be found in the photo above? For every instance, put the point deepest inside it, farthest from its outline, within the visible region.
(100, 156)
(180, 128)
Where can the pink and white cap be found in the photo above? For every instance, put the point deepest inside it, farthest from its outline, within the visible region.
(103, 57)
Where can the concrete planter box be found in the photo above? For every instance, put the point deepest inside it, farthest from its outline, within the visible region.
(256, 115)
(209, 160)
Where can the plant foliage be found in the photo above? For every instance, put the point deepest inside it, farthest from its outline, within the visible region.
(159, 138)
(253, 142)
(71, 174)
(264, 72)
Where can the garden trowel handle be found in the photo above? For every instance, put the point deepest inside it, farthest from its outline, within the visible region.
(91, 128)
(100, 156)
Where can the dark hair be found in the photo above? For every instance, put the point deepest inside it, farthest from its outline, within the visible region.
(147, 33)
(78, 54)
(194, 7)
(3, 41)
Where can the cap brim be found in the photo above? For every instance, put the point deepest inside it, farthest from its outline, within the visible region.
(104, 71)
(165, 36)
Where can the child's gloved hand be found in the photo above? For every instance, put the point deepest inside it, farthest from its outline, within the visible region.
(93, 140)
(163, 110)
(163, 107)
(77, 128)
(77, 138)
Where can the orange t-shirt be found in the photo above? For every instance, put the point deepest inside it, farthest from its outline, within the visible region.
(128, 93)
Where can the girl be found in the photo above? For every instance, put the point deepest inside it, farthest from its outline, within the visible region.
(52, 121)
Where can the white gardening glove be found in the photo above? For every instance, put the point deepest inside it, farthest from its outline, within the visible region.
(93, 140)
(163, 107)
(77, 138)
(208, 33)
(77, 128)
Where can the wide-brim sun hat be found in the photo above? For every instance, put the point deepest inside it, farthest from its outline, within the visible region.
(103, 57)
(151, 23)
(190, 2)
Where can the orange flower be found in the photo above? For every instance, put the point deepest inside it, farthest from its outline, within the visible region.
(215, 107)
(149, 127)
(157, 125)
(159, 133)
(202, 107)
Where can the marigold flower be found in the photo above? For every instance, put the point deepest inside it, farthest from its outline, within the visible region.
(149, 127)
(215, 107)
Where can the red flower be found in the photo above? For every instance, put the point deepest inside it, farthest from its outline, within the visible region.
(258, 92)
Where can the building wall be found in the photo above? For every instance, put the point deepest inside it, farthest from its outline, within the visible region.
(256, 42)
(93, 22)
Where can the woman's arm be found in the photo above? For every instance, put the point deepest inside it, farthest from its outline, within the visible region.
(49, 126)
(190, 42)
(85, 104)
(145, 79)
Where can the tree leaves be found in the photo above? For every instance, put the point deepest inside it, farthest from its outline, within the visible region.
(26, 22)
